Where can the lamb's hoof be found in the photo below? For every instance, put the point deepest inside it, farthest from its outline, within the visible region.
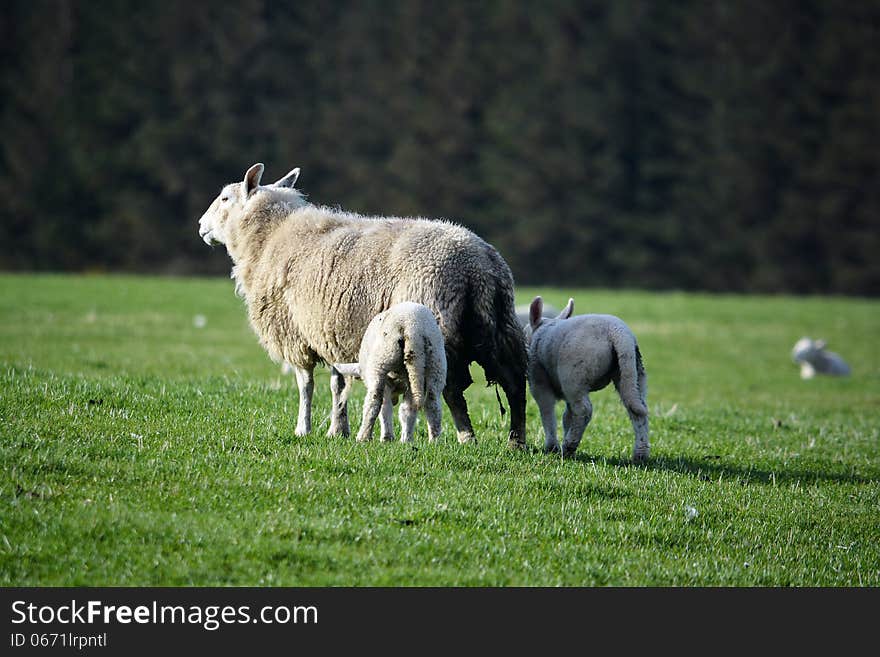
(514, 443)
(552, 449)
(641, 456)
(299, 433)
(387, 439)
(568, 452)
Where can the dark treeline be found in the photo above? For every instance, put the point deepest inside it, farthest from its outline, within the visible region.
(694, 144)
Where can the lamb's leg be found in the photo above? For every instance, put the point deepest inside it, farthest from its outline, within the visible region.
(407, 418)
(642, 447)
(566, 419)
(581, 414)
(305, 382)
(386, 419)
(546, 401)
(434, 415)
(372, 406)
(339, 410)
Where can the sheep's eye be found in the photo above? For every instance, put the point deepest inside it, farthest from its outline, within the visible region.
(224, 199)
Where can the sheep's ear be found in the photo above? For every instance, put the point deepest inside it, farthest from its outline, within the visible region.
(289, 180)
(820, 344)
(252, 178)
(566, 312)
(536, 312)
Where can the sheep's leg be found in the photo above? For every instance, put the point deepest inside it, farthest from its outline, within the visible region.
(434, 415)
(339, 411)
(458, 377)
(581, 414)
(386, 419)
(305, 382)
(513, 382)
(372, 405)
(407, 418)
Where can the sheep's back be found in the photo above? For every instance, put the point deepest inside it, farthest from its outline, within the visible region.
(331, 275)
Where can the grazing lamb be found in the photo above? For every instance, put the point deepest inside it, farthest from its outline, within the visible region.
(402, 352)
(569, 357)
(814, 359)
(313, 277)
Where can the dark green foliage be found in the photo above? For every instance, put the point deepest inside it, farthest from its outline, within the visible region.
(694, 145)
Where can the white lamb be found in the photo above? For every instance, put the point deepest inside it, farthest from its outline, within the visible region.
(569, 357)
(814, 359)
(402, 352)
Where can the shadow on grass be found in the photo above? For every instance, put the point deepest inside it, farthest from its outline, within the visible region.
(713, 468)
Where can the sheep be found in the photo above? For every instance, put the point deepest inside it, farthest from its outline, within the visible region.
(401, 352)
(815, 359)
(313, 277)
(569, 357)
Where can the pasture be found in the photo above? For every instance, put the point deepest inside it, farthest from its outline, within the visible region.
(147, 440)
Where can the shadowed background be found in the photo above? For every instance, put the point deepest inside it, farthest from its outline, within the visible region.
(689, 145)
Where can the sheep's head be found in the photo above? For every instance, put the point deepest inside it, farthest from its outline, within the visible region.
(807, 350)
(537, 318)
(220, 218)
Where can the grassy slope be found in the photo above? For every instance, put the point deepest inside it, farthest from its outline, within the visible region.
(139, 449)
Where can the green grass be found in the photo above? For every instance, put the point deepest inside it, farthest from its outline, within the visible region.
(139, 449)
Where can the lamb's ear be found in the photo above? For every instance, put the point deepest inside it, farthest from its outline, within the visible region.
(566, 312)
(252, 178)
(820, 344)
(289, 180)
(536, 312)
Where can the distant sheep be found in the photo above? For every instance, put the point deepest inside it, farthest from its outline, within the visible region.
(313, 277)
(570, 357)
(402, 352)
(815, 359)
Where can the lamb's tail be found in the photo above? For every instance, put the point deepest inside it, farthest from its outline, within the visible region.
(414, 360)
(632, 385)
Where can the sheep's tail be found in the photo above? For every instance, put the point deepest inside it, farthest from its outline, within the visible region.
(415, 350)
(632, 385)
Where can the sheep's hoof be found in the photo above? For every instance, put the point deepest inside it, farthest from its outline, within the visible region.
(551, 449)
(465, 437)
(568, 452)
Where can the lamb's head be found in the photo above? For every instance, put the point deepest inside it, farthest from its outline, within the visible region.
(537, 319)
(223, 215)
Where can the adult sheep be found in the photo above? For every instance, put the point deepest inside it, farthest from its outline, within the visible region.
(313, 277)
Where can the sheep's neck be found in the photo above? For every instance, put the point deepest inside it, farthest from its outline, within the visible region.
(246, 250)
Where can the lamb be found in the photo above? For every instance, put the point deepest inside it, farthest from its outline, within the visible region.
(401, 352)
(569, 357)
(313, 277)
(815, 359)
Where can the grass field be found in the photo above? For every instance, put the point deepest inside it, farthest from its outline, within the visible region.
(146, 439)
